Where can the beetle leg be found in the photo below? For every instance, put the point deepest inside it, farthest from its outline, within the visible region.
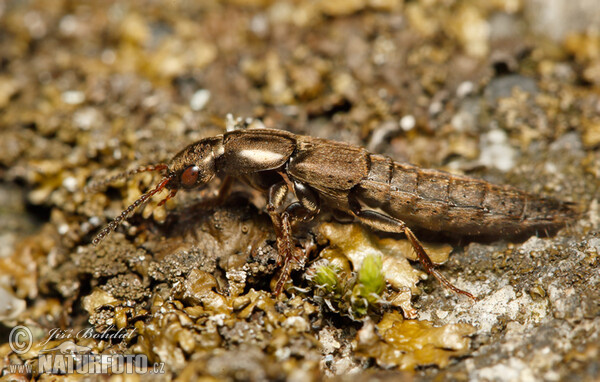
(385, 223)
(283, 231)
(293, 213)
(277, 194)
(304, 210)
(224, 190)
(308, 206)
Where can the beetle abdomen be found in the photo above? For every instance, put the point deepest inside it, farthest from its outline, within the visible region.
(439, 201)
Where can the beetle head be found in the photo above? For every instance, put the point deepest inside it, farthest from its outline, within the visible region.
(192, 167)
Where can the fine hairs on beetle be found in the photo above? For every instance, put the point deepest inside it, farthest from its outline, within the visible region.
(351, 182)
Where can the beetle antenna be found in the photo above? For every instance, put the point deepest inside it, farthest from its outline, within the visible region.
(126, 212)
(95, 185)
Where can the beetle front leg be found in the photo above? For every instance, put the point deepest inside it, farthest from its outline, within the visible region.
(224, 190)
(385, 223)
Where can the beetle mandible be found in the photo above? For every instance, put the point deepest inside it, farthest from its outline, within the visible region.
(351, 181)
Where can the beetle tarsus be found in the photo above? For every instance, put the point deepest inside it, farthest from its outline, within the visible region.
(430, 267)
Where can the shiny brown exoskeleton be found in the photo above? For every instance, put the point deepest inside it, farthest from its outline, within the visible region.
(348, 180)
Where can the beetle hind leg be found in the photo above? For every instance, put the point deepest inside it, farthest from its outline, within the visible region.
(385, 223)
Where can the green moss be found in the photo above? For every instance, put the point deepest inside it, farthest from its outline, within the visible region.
(326, 278)
(369, 287)
(352, 296)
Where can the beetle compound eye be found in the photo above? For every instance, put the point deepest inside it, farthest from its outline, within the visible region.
(190, 176)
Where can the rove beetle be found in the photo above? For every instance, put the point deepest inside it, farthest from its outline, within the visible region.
(352, 182)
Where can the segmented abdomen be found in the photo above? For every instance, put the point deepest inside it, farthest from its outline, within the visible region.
(439, 201)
